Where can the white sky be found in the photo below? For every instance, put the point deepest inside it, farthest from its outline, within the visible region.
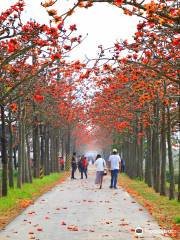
(104, 23)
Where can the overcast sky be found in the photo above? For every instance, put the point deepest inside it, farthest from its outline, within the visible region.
(104, 23)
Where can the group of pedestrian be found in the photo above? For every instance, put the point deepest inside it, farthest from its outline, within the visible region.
(114, 165)
(81, 164)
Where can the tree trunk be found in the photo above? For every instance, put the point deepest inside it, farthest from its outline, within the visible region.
(148, 161)
(19, 177)
(36, 159)
(131, 159)
(140, 156)
(25, 156)
(15, 158)
(128, 157)
(156, 150)
(42, 148)
(158, 161)
(68, 149)
(179, 179)
(62, 147)
(27, 174)
(29, 160)
(10, 162)
(52, 151)
(135, 155)
(23, 149)
(57, 151)
(179, 158)
(171, 165)
(163, 154)
(4, 154)
(46, 167)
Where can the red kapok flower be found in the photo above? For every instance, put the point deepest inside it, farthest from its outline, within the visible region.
(118, 2)
(73, 27)
(13, 107)
(38, 98)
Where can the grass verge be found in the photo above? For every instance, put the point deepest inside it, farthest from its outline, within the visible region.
(18, 199)
(166, 212)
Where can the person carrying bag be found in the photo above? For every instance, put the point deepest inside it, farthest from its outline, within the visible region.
(100, 170)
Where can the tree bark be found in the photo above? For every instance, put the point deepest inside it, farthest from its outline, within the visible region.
(4, 154)
(128, 156)
(15, 158)
(131, 159)
(36, 159)
(156, 150)
(57, 151)
(19, 177)
(148, 162)
(179, 179)
(171, 165)
(68, 149)
(29, 160)
(179, 155)
(163, 154)
(10, 162)
(42, 148)
(140, 156)
(23, 140)
(52, 151)
(46, 167)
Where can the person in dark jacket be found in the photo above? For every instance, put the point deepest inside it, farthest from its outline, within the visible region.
(80, 166)
(73, 165)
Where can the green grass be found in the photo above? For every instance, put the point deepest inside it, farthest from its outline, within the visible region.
(177, 220)
(176, 186)
(166, 212)
(28, 191)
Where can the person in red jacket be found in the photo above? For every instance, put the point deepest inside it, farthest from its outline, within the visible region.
(84, 165)
(61, 163)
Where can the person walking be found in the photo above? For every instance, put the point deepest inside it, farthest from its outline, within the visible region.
(100, 167)
(115, 165)
(73, 165)
(85, 165)
(80, 165)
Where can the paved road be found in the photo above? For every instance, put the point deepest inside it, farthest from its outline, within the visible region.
(77, 210)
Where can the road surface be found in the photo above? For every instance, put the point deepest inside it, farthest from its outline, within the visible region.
(77, 209)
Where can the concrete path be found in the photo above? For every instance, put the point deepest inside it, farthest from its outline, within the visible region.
(77, 210)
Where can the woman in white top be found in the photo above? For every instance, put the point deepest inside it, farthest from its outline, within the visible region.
(100, 166)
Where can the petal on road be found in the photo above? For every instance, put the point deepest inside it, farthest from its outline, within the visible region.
(77, 209)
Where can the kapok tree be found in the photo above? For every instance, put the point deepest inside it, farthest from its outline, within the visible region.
(27, 50)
